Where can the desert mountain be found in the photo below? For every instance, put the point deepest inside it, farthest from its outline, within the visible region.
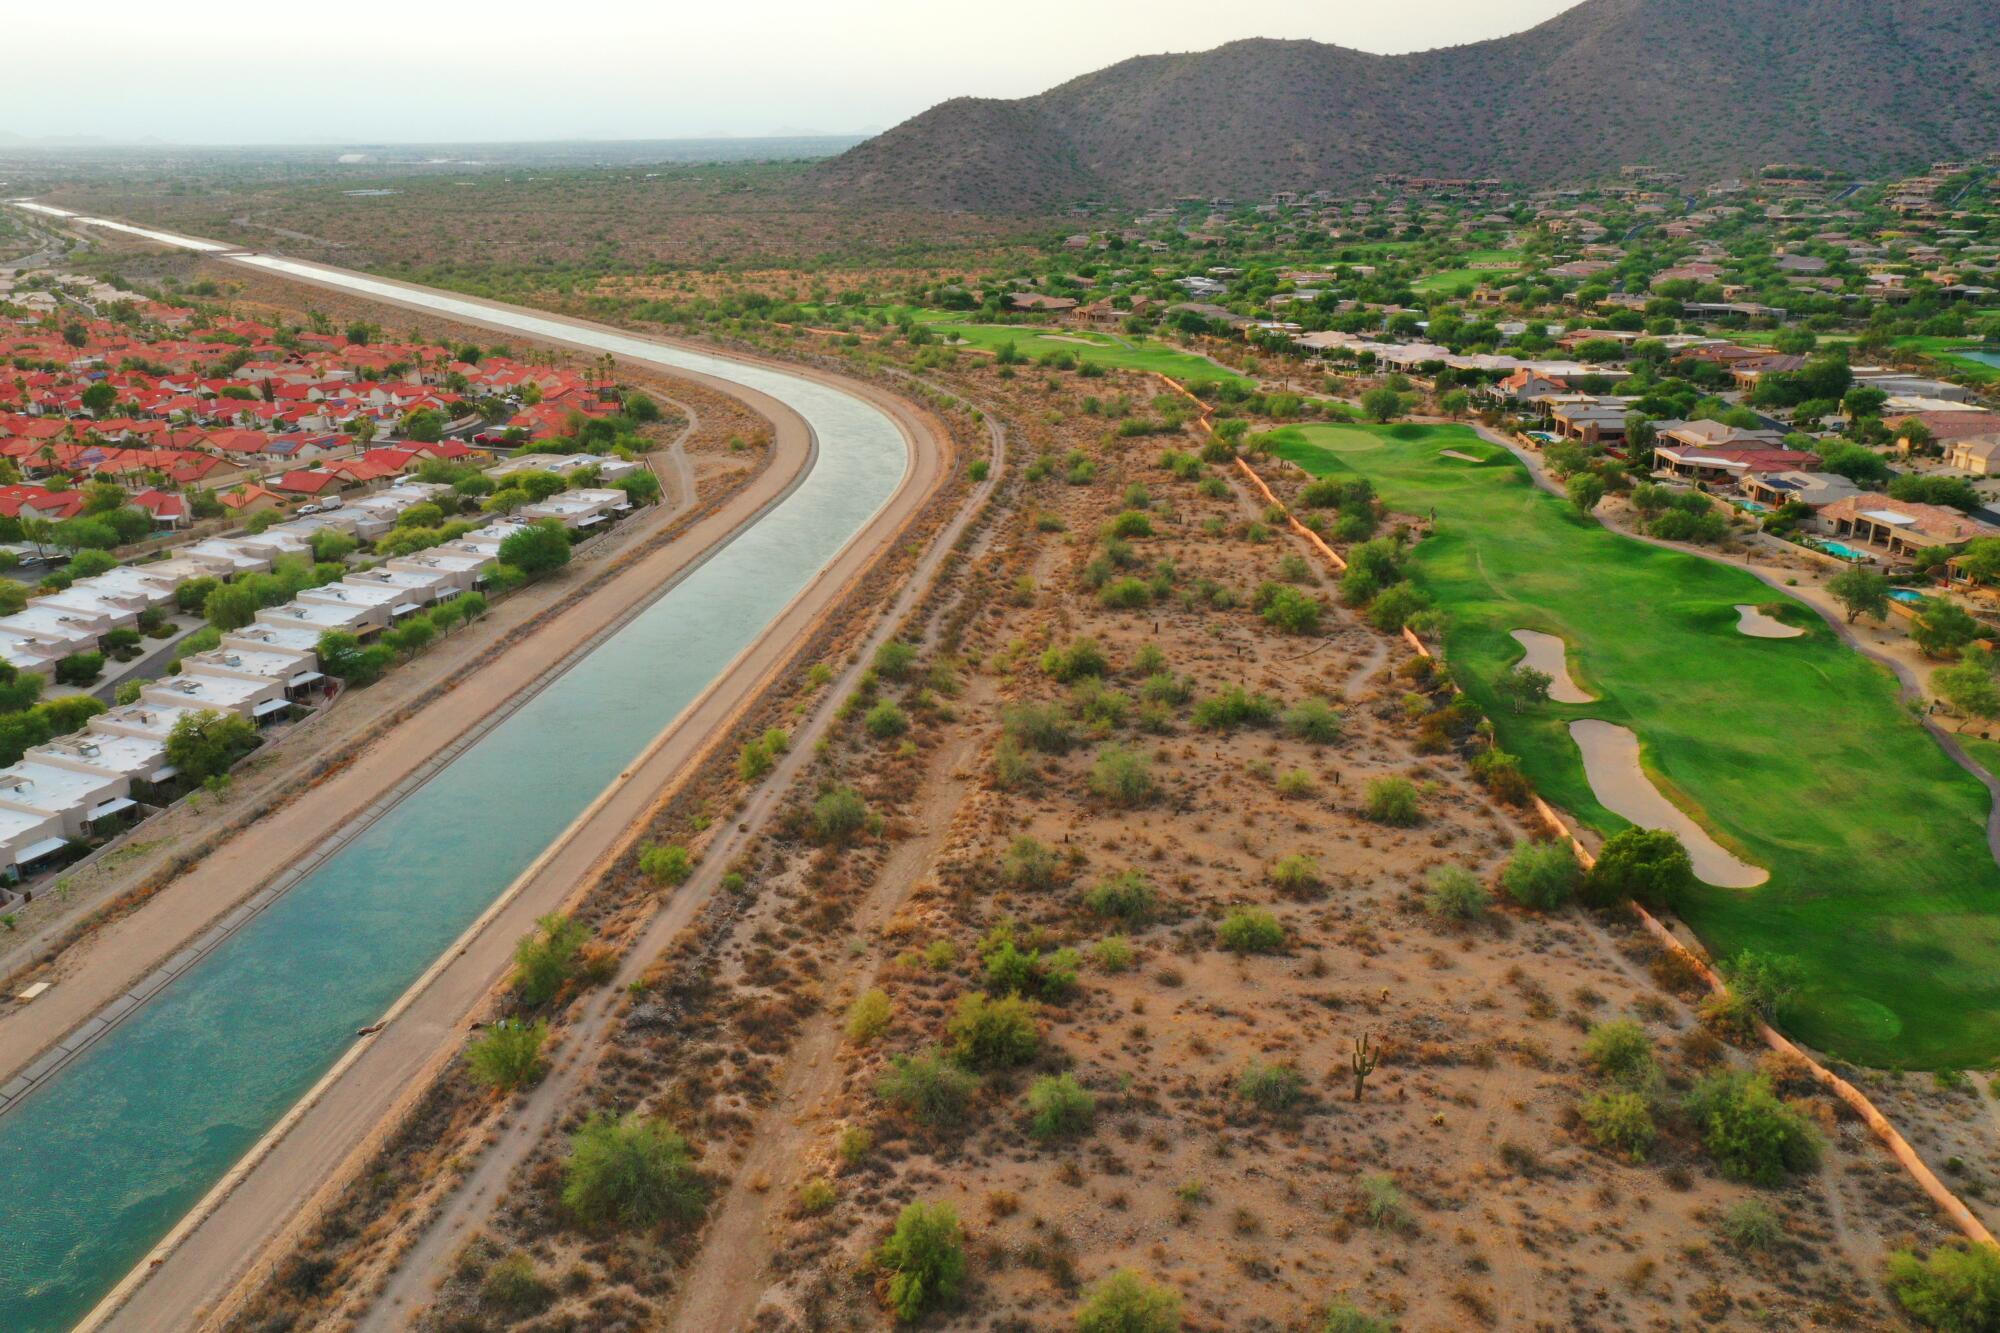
(1700, 85)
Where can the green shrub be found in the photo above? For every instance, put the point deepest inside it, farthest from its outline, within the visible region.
(1012, 769)
(1295, 784)
(1250, 930)
(665, 863)
(1059, 1108)
(1750, 1224)
(513, 1286)
(1044, 727)
(1127, 594)
(1767, 982)
(1081, 658)
(1382, 1203)
(1297, 874)
(547, 958)
(1029, 865)
(885, 721)
(1234, 707)
(631, 1172)
(989, 1033)
(1648, 865)
(1342, 1317)
(1131, 523)
(508, 1055)
(1271, 1088)
(1621, 1121)
(895, 660)
(1163, 687)
(817, 1196)
(1127, 1303)
(1287, 609)
(1752, 1135)
(1394, 606)
(1955, 1290)
(1392, 801)
(1126, 896)
(1541, 875)
(869, 1016)
(1621, 1050)
(1313, 720)
(1113, 953)
(929, 1088)
(925, 1259)
(1122, 777)
(839, 814)
(1455, 894)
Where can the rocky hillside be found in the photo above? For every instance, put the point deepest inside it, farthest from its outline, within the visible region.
(1704, 85)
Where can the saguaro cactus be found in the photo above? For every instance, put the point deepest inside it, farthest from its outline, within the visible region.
(1364, 1061)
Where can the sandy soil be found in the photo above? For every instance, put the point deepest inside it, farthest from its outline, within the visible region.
(1462, 457)
(1611, 762)
(1548, 653)
(1758, 625)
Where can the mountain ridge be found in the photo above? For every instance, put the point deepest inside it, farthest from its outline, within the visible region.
(1697, 85)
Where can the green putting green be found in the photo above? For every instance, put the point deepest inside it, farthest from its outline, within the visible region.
(1795, 753)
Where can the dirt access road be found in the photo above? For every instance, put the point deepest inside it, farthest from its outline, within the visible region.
(348, 1111)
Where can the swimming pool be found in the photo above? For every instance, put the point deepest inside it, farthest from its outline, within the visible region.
(1843, 550)
(1753, 507)
(1905, 595)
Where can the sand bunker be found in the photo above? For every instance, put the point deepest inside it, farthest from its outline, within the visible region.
(1453, 453)
(1757, 625)
(1611, 762)
(1548, 653)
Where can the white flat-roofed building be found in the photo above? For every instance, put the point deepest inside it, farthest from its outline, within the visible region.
(101, 610)
(225, 557)
(321, 617)
(458, 568)
(378, 601)
(179, 569)
(73, 797)
(247, 664)
(148, 721)
(135, 758)
(394, 502)
(224, 694)
(61, 632)
(142, 586)
(273, 542)
(414, 589)
(261, 637)
(27, 837)
(580, 508)
(560, 464)
(27, 654)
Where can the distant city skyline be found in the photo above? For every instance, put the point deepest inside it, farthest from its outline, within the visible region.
(372, 71)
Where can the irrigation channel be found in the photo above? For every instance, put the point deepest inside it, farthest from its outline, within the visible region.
(103, 1159)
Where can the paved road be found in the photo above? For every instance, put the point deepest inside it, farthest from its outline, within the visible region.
(342, 1122)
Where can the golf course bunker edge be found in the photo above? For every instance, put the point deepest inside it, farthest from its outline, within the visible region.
(1611, 763)
(1549, 654)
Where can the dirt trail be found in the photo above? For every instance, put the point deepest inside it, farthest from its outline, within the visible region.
(410, 1284)
(728, 1278)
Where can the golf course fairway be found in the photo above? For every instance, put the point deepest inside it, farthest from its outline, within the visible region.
(1796, 754)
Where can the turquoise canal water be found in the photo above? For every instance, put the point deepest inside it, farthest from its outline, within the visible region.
(101, 1162)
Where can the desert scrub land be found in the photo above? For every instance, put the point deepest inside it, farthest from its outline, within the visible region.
(1084, 990)
(1897, 963)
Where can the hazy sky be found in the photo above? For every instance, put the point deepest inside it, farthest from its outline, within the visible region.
(196, 71)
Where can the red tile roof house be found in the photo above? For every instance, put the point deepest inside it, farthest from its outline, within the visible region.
(39, 502)
(168, 511)
(1729, 463)
(309, 481)
(251, 499)
(1899, 528)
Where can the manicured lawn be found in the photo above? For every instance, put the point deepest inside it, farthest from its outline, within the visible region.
(1143, 354)
(1448, 279)
(1795, 753)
